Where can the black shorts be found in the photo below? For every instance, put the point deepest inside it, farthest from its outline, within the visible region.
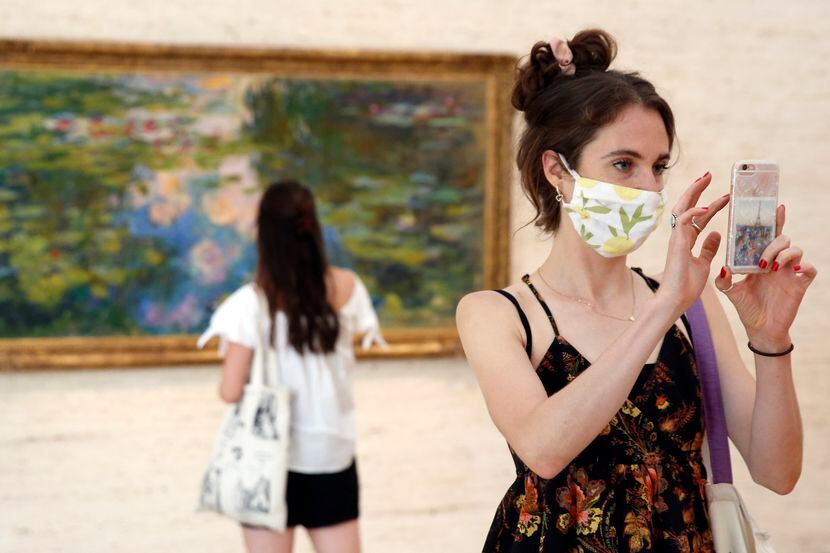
(317, 500)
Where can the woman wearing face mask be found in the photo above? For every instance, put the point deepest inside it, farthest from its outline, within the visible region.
(585, 365)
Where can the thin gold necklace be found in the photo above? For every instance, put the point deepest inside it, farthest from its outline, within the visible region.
(592, 306)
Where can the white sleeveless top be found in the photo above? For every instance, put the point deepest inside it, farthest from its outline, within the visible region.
(322, 408)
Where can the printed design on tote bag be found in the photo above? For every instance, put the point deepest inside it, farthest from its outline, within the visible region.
(235, 423)
(210, 488)
(265, 419)
(256, 498)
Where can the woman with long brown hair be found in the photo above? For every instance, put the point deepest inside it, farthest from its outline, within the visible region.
(585, 364)
(314, 311)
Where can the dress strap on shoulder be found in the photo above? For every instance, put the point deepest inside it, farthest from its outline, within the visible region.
(650, 282)
(526, 280)
(525, 324)
(654, 285)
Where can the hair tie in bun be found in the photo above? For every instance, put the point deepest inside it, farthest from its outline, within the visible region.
(563, 56)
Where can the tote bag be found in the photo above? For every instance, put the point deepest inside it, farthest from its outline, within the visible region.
(247, 472)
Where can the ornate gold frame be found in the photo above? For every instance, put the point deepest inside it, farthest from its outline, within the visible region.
(496, 71)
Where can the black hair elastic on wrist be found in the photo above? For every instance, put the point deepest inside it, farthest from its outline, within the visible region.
(767, 354)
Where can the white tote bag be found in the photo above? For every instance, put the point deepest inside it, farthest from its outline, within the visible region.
(247, 472)
(733, 529)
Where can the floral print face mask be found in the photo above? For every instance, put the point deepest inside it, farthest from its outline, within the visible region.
(613, 220)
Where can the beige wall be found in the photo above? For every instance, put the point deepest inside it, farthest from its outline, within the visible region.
(746, 80)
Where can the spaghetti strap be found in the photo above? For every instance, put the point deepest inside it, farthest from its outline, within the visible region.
(650, 282)
(525, 324)
(654, 285)
(526, 280)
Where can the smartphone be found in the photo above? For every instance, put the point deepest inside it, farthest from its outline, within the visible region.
(752, 209)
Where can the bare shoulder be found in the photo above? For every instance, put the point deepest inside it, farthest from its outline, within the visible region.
(342, 276)
(343, 281)
(484, 303)
(488, 323)
(487, 313)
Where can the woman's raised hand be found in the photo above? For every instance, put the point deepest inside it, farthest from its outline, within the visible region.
(685, 274)
(768, 302)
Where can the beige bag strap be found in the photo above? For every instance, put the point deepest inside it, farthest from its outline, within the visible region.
(265, 369)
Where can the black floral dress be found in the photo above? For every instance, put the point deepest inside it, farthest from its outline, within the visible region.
(639, 486)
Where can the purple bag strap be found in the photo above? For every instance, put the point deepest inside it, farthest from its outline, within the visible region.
(713, 414)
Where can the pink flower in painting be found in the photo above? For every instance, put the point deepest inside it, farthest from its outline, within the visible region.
(163, 214)
(151, 127)
(222, 206)
(154, 315)
(185, 314)
(209, 262)
(235, 203)
(63, 124)
(166, 197)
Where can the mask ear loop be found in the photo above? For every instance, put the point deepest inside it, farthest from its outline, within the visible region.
(564, 161)
(574, 174)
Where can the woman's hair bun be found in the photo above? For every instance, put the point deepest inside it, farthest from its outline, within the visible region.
(592, 49)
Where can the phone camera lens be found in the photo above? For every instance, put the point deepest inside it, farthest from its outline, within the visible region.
(743, 167)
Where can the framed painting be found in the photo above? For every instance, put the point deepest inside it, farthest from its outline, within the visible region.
(130, 176)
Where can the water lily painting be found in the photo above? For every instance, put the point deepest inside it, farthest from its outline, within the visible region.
(128, 195)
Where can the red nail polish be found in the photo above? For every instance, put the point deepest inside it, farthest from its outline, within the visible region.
(723, 272)
(763, 264)
(797, 268)
(775, 266)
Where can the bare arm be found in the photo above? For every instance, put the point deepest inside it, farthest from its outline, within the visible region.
(235, 370)
(762, 416)
(549, 432)
(777, 438)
